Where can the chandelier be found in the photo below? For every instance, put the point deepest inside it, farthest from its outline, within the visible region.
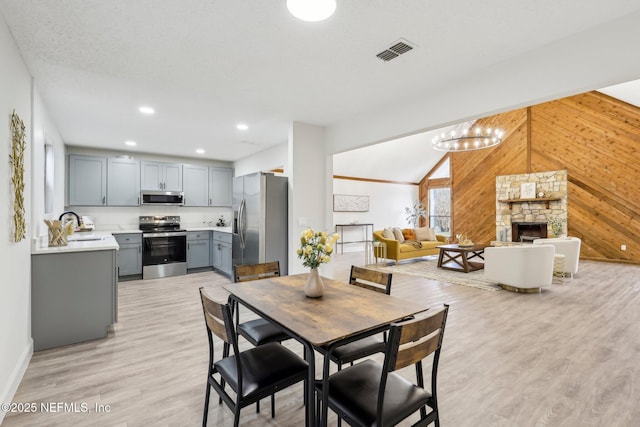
(468, 139)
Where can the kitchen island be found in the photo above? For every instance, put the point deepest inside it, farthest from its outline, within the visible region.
(73, 290)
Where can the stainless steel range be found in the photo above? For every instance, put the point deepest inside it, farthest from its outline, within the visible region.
(164, 247)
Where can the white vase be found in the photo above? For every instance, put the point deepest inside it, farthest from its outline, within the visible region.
(314, 286)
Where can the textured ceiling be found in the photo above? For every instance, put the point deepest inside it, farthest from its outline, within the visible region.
(206, 65)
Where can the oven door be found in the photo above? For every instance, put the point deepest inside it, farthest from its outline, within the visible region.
(164, 248)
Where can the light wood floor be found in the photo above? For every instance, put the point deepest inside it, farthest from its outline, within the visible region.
(566, 357)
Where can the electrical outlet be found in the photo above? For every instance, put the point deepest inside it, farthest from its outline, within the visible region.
(623, 247)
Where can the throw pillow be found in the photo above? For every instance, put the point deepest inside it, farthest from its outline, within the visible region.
(408, 234)
(425, 233)
(387, 233)
(398, 234)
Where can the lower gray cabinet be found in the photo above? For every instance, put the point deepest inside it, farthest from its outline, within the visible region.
(222, 254)
(198, 249)
(129, 255)
(74, 297)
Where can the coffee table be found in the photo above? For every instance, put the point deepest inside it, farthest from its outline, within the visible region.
(455, 257)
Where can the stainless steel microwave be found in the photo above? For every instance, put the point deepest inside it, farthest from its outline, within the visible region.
(170, 198)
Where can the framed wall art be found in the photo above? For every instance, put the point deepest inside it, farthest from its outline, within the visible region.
(349, 203)
(528, 190)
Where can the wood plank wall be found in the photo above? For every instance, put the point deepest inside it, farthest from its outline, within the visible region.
(595, 137)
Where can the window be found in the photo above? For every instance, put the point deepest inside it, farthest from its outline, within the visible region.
(440, 210)
(438, 189)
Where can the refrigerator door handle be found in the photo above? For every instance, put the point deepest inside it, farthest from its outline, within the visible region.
(242, 223)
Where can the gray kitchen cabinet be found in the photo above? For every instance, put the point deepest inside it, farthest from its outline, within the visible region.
(195, 182)
(123, 182)
(87, 183)
(198, 249)
(220, 191)
(129, 256)
(221, 252)
(161, 176)
(73, 297)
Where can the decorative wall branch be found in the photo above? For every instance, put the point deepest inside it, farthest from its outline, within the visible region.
(16, 160)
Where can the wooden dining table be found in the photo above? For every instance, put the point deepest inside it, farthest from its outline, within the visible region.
(343, 313)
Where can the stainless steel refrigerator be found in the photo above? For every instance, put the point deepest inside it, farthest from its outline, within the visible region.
(260, 205)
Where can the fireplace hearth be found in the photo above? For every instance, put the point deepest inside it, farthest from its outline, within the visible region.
(528, 231)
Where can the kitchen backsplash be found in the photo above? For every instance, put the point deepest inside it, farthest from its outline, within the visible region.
(113, 218)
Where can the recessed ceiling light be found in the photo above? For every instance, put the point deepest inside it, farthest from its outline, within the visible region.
(130, 143)
(200, 151)
(242, 126)
(146, 110)
(312, 11)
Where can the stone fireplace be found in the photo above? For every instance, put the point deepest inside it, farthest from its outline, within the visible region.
(527, 232)
(530, 212)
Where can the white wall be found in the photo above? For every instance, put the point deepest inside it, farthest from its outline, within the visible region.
(266, 160)
(16, 345)
(309, 167)
(386, 206)
(44, 131)
(114, 218)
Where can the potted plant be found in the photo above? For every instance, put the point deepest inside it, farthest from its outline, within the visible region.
(555, 223)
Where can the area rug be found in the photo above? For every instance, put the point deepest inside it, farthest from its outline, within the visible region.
(428, 269)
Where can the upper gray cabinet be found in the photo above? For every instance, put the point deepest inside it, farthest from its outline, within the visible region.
(195, 180)
(220, 180)
(87, 180)
(123, 182)
(161, 176)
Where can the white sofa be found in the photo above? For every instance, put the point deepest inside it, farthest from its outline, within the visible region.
(567, 246)
(523, 268)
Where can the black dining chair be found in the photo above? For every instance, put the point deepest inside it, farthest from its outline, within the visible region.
(372, 280)
(252, 374)
(257, 331)
(373, 394)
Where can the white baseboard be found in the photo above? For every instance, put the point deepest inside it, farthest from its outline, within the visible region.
(16, 376)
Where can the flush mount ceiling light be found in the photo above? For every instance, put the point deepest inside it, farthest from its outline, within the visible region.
(474, 138)
(311, 10)
(130, 143)
(200, 151)
(242, 126)
(146, 110)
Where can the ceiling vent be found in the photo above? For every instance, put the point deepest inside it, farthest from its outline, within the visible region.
(397, 49)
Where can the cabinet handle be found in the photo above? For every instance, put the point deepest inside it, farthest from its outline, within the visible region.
(188, 247)
(209, 202)
(104, 200)
(138, 200)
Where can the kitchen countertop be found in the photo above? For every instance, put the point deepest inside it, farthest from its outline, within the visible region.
(97, 240)
(220, 229)
(102, 241)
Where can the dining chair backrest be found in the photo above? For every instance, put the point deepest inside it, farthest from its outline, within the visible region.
(247, 272)
(371, 279)
(218, 318)
(413, 340)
